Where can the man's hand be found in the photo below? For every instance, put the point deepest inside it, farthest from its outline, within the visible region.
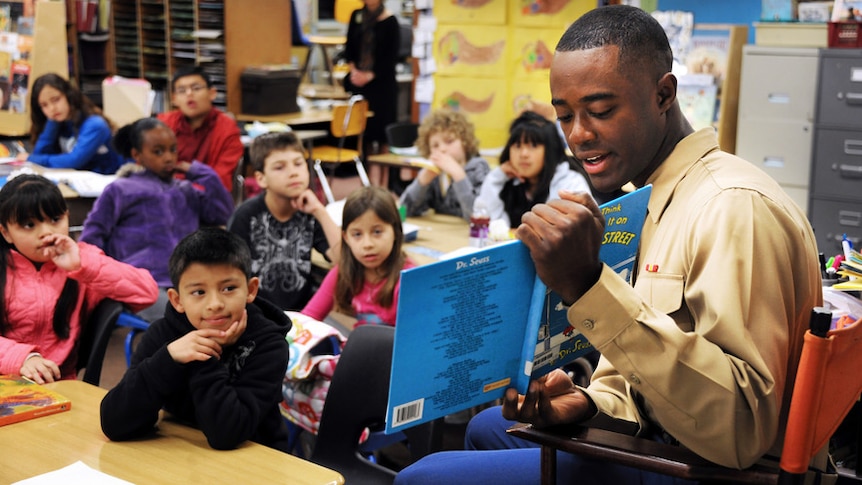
(63, 251)
(199, 345)
(552, 399)
(40, 370)
(564, 237)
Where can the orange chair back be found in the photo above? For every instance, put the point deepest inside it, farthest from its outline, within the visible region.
(349, 119)
(828, 383)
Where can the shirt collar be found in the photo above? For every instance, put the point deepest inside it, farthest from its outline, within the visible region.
(184, 127)
(674, 168)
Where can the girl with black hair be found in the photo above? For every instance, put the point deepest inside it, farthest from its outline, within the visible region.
(68, 130)
(49, 282)
(533, 169)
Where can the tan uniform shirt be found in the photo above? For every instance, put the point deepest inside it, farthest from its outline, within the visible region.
(706, 343)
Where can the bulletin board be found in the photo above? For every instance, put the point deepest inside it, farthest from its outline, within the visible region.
(521, 92)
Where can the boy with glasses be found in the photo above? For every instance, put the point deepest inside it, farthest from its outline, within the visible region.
(204, 133)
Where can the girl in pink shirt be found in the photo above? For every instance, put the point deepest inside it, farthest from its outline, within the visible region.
(366, 280)
(49, 282)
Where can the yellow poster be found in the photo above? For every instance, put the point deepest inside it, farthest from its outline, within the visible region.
(548, 13)
(531, 52)
(483, 101)
(524, 94)
(464, 50)
(485, 12)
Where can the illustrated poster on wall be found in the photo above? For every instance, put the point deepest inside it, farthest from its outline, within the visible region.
(463, 50)
(485, 12)
(548, 14)
(483, 101)
(532, 50)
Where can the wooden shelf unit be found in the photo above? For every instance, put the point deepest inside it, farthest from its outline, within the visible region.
(154, 38)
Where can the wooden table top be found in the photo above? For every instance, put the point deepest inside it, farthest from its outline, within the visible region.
(177, 454)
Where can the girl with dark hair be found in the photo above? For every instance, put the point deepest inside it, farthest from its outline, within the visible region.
(68, 130)
(143, 215)
(48, 282)
(533, 169)
(366, 282)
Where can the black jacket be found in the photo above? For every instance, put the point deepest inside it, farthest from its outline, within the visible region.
(232, 399)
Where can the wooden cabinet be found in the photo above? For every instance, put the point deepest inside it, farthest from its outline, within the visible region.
(154, 38)
(48, 54)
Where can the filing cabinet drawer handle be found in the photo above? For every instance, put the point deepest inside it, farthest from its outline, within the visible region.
(849, 218)
(848, 171)
(853, 98)
(853, 147)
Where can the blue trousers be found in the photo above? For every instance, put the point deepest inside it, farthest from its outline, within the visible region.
(493, 457)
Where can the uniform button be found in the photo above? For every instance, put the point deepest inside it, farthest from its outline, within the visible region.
(634, 379)
(589, 324)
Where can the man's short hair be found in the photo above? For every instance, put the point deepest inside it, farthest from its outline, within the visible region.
(191, 71)
(267, 143)
(209, 246)
(641, 40)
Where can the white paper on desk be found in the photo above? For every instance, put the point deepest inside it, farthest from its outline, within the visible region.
(85, 183)
(75, 474)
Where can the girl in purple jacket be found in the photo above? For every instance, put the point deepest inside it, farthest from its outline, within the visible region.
(141, 216)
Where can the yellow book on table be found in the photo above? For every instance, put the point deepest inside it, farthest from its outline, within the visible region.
(22, 399)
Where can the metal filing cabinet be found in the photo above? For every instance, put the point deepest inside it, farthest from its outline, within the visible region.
(836, 175)
(776, 114)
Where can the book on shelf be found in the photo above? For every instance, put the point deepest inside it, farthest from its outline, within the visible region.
(472, 326)
(22, 399)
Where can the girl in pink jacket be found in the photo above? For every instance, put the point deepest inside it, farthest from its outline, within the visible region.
(49, 283)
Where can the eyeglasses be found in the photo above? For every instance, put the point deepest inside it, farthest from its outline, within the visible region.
(194, 88)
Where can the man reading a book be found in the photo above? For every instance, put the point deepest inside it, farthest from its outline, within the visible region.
(702, 349)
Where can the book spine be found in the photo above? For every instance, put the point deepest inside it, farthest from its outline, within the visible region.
(534, 320)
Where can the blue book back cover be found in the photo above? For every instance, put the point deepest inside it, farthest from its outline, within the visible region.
(470, 327)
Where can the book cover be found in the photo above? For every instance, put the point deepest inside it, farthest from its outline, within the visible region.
(22, 399)
(472, 326)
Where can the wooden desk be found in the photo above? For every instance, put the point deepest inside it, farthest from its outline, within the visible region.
(415, 161)
(179, 454)
(307, 117)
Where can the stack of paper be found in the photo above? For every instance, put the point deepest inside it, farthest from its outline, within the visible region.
(851, 268)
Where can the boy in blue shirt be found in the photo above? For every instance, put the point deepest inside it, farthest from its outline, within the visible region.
(217, 358)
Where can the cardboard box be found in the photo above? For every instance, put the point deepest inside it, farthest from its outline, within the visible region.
(126, 100)
(784, 34)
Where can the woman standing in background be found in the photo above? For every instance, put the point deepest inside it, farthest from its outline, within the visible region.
(371, 51)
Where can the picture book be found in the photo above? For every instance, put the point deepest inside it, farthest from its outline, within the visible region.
(471, 326)
(22, 399)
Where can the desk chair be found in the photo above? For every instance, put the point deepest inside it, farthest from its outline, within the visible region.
(828, 383)
(357, 398)
(348, 121)
(94, 339)
(136, 325)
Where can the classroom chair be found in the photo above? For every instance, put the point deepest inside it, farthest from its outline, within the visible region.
(357, 399)
(348, 121)
(94, 339)
(828, 383)
(136, 325)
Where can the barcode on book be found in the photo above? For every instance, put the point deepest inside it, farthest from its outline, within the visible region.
(407, 413)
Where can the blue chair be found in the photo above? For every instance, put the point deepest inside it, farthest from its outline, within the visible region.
(136, 325)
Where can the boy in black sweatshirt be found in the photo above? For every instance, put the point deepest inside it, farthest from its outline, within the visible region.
(216, 360)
